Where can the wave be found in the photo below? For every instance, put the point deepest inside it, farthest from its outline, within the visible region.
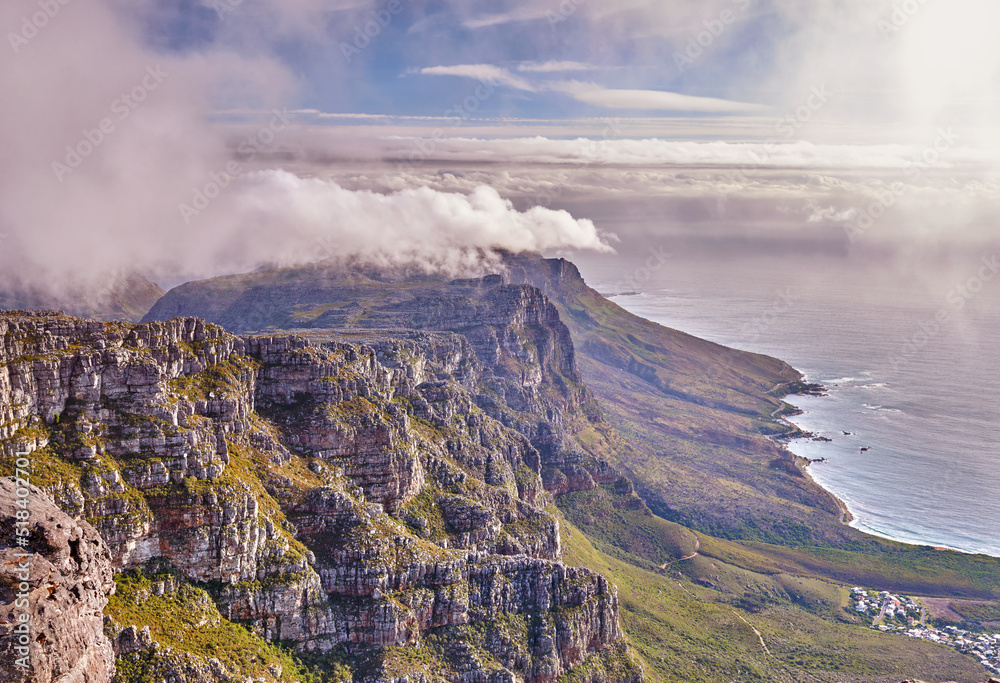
(881, 409)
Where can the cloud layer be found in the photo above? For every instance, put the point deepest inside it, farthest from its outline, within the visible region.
(108, 141)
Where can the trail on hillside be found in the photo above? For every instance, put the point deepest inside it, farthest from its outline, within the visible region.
(759, 636)
(697, 547)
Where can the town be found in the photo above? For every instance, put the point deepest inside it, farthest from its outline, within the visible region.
(904, 615)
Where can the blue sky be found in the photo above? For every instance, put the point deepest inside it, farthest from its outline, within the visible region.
(925, 65)
(368, 58)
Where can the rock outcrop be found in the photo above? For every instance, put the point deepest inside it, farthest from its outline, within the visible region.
(528, 376)
(359, 495)
(53, 590)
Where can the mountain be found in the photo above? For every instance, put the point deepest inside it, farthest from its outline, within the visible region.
(358, 501)
(393, 477)
(701, 417)
(129, 297)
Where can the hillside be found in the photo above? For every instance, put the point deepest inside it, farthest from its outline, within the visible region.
(129, 298)
(290, 509)
(353, 491)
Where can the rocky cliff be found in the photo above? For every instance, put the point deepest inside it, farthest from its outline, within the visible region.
(377, 498)
(529, 379)
(52, 593)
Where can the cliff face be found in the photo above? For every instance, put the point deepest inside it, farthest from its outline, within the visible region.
(370, 497)
(529, 379)
(60, 588)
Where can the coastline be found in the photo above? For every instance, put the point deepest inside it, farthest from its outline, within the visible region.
(855, 403)
(847, 517)
(796, 432)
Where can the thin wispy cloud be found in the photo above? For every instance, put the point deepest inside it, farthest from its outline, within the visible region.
(482, 72)
(525, 14)
(555, 67)
(594, 94)
(599, 96)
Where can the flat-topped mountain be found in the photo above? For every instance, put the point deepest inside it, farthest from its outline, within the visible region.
(715, 405)
(435, 480)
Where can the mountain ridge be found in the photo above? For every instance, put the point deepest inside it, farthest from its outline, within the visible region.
(292, 480)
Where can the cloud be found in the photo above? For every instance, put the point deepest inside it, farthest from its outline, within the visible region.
(105, 136)
(607, 145)
(517, 15)
(483, 72)
(591, 93)
(290, 219)
(555, 66)
(594, 94)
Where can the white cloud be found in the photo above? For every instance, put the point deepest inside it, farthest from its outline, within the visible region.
(523, 14)
(555, 67)
(591, 93)
(288, 219)
(482, 72)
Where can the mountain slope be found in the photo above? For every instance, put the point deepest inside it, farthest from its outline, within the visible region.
(697, 418)
(345, 500)
(129, 297)
(692, 423)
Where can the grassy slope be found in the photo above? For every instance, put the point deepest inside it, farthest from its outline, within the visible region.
(702, 457)
(694, 619)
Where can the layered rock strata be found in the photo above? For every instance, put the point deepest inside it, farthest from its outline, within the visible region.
(333, 494)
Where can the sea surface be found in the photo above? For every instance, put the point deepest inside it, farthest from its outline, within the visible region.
(911, 364)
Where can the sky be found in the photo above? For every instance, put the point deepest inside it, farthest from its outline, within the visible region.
(191, 138)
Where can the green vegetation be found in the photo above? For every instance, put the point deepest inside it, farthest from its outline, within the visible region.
(182, 616)
(685, 629)
(218, 380)
(623, 527)
(739, 574)
(887, 566)
(424, 516)
(977, 612)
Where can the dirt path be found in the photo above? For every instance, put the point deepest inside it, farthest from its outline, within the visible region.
(697, 547)
(759, 636)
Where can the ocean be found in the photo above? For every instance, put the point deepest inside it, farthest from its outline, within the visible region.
(909, 355)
